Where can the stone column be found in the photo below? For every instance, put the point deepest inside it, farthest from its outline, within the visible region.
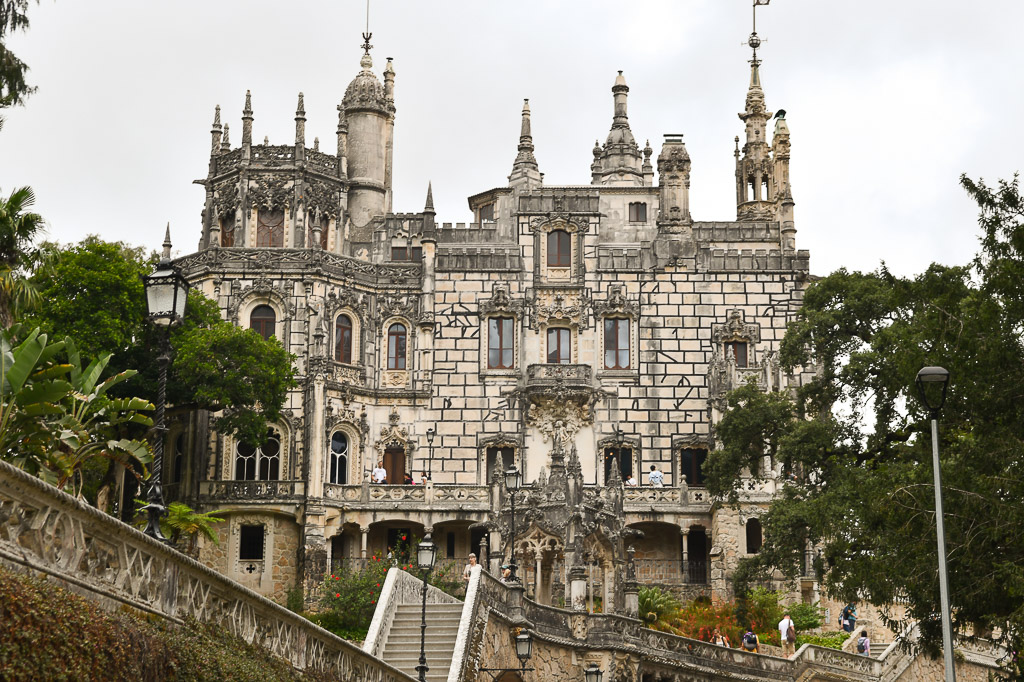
(537, 577)
(686, 546)
(364, 534)
(630, 587)
(578, 588)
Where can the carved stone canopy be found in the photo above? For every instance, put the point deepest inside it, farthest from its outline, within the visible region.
(566, 306)
(736, 328)
(262, 287)
(396, 305)
(556, 221)
(225, 197)
(501, 302)
(617, 304)
(270, 192)
(393, 436)
(321, 198)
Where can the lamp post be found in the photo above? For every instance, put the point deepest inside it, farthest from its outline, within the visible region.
(592, 673)
(524, 649)
(166, 293)
(931, 384)
(513, 482)
(426, 552)
(430, 457)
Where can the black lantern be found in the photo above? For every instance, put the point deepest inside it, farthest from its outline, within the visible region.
(524, 647)
(592, 673)
(931, 385)
(166, 293)
(513, 478)
(425, 553)
(430, 457)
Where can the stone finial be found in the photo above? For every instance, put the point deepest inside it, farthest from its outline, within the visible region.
(316, 144)
(429, 207)
(225, 144)
(167, 243)
(247, 120)
(300, 109)
(215, 132)
(525, 168)
(389, 80)
(266, 140)
(216, 117)
(300, 123)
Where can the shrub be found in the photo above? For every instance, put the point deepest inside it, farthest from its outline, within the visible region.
(806, 616)
(831, 640)
(657, 608)
(760, 610)
(699, 618)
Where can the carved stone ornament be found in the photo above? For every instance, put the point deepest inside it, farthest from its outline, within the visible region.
(617, 304)
(674, 159)
(756, 211)
(559, 420)
(262, 287)
(270, 192)
(395, 305)
(345, 298)
(501, 302)
(395, 378)
(225, 197)
(735, 328)
(321, 198)
(565, 306)
(560, 221)
(393, 436)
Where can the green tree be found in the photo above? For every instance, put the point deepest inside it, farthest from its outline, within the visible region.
(13, 85)
(93, 293)
(19, 227)
(855, 442)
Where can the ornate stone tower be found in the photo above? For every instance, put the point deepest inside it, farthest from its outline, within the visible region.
(620, 162)
(368, 111)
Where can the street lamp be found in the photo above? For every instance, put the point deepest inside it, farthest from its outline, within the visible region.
(513, 482)
(931, 384)
(166, 294)
(592, 673)
(524, 649)
(426, 552)
(430, 458)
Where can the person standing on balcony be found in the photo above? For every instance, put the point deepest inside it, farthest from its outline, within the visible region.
(656, 478)
(380, 474)
(787, 635)
(631, 481)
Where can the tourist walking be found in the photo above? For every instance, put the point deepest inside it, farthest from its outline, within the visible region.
(750, 642)
(863, 643)
(849, 618)
(467, 573)
(787, 635)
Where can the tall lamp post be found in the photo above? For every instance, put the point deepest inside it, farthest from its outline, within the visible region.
(513, 482)
(426, 552)
(166, 293)
(931, 384)
(430, 457)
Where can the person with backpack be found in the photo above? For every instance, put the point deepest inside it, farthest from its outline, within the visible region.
(863, 643)
(718, 638)
(849, 618)
(750, 641)
(787, 635)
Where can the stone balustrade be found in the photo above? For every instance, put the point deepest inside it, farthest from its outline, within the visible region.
(46, 531)
(368, 496)
(263, 491)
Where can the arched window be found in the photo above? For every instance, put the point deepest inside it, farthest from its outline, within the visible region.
(338, 457)
(559, 346)
(343, 339)
(616, 343)
(263, 319)
(559, 249)
(754, 536)
(500, 343)
(261, 463)
(396, 346)
(270, 228)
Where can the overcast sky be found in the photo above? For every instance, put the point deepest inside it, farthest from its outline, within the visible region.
(888, 102)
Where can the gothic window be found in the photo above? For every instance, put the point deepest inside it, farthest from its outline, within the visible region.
(270, 228)
(227, 231)
(638, 212)
(262, 463)
(624, 457)
(343, 339)
(754, 536)
(559, 249)
(692, 465)
(178, 465)
(559, 346)
(396, 346)
(250, 543)
(338, 457)
(500, 343)
(263, 319)
(616, 343)
(737, 350)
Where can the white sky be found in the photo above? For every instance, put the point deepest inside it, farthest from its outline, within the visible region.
(888, 102)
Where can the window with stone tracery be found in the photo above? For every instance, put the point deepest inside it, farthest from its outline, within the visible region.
(227, 231)
(638, 212)
(616, 343)
(259, 463)
(270, 228)
(338, 459)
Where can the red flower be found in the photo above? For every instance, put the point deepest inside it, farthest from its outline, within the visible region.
(403, 537)
(335, 577)
(337, 594)
(378, 584)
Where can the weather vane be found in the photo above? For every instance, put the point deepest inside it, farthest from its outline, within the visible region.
(754, 42)
(367, 35)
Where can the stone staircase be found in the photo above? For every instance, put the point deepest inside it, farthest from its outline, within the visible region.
(402, 648)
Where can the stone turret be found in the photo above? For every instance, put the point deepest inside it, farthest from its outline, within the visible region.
(674, 181)
(784, 191)
(619, 162)
(368, 109)
(754, 171)
(526, 174)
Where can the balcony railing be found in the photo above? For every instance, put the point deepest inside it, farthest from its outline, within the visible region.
(671, 571)
(472, 495)
(252, 490)
(549, 374)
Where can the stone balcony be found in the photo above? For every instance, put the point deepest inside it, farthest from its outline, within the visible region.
(571, 376)
(260, 491)
(409, 497)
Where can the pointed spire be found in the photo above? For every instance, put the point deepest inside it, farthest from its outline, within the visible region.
(300, 123)
(225, 145)
(429, 207)
(216, 117)
(215, 132)
(247, 120)
(167, 243)
(620, 161)
(620, 91)
(316, 144)
(525, 166)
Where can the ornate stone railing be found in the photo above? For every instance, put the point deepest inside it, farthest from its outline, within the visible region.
(263, 491)
(298, 262)
(45, 530)
(273, 155)
(324, 163)
(372, 496)
(549, 374)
